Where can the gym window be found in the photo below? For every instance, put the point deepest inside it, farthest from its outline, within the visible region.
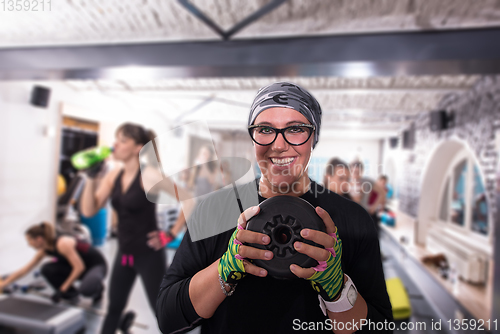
(463, 202)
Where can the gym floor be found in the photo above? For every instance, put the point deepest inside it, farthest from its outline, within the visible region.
(422, 313)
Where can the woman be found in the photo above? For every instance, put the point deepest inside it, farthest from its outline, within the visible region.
(200, 286)
(336, 178)
(365, 191)
(140, 244)
(203, 178)
(73, 260)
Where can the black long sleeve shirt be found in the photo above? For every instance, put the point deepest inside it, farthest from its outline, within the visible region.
(269, 305)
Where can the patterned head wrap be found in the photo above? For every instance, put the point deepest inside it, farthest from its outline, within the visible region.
(287, 95)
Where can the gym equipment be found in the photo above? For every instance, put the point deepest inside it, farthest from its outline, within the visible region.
(61, 185)
(282, 218)
(126, 321)
(33, 289)
(40, 316)
(89, 157)
(36, 286)
(401, 307)
(68, 221)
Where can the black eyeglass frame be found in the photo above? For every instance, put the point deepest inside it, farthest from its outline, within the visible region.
(282, 131)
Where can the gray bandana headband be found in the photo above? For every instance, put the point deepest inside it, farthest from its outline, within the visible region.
(287, 95)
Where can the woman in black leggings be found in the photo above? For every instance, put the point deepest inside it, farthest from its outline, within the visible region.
(140, 243)
(73, 260)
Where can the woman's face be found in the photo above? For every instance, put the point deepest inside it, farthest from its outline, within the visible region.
(283, 164)
(356, 172)
(125, 148)
(339, 181)
(36, 243)
(204, 155)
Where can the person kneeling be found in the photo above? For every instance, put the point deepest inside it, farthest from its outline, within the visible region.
(73, 260)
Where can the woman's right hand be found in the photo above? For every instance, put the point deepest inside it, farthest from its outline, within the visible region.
(234, 264)
(95, 170)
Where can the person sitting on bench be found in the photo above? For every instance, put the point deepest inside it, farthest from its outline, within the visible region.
(72, 260)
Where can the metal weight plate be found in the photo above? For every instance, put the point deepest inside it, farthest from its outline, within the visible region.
(282, 218)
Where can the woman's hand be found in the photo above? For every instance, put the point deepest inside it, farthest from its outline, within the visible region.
(326, 278)
(233, 265)
(93, 171)
(158, 239)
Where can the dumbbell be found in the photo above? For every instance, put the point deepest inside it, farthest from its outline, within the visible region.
(126, 321)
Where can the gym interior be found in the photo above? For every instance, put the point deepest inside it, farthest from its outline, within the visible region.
(409, 90)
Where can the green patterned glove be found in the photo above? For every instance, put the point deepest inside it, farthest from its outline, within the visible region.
(329, 277)
(231, 268)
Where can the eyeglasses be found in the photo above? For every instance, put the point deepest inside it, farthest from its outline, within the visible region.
(294, 135)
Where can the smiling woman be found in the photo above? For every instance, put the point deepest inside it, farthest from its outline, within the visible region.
(289, 110)
(282, 163)
(214, 281)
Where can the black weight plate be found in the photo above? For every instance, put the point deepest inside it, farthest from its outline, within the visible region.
(282, 218)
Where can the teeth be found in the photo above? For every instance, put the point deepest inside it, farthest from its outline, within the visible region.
(282, 162)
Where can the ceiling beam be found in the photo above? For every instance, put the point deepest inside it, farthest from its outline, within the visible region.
(389, 54)
(226, 35)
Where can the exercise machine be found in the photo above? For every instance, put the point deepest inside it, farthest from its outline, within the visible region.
(39, 316)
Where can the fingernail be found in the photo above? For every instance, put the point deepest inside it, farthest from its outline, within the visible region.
(266, 239)
(298, 244)
(262, 273)
(292, 267)
(268, 254)
(320, 210)
(305, 233)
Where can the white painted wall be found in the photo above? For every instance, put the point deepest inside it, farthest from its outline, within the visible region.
(393, 161)
(28, 167)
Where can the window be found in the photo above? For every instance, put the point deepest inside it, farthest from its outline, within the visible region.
(479, 205)
(463, 200)
(458, 198)
(443, 214)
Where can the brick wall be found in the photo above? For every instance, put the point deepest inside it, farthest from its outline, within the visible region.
(477, 118)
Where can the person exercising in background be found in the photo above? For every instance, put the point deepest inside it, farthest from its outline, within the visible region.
(74, 260)
(140, 243)
(203, 178)
(382, 182)
(337, 177)
(365, 191)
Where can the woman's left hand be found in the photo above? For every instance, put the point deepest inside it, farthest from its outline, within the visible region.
(158, 239)
(326, 278)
